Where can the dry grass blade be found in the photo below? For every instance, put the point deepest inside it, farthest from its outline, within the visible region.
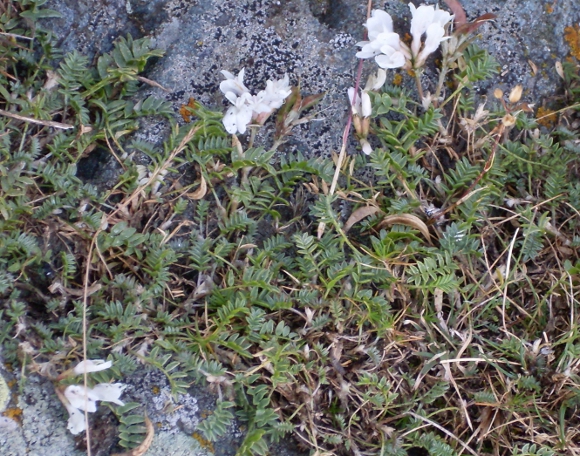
(47, 123)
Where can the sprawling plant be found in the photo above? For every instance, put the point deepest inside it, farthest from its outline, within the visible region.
(422, 296)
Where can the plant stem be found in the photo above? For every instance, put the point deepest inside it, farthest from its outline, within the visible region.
(418, 82)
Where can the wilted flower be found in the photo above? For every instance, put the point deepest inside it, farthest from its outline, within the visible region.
(78, 398)
(81, 398)
(429, 21)
(76, 420)
(516, 93)
(361, 110)
(109, 392)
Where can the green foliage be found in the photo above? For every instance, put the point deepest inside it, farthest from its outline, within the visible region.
(451, 305)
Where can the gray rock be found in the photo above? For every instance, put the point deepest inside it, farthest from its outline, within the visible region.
(312, 40)
(42, 428)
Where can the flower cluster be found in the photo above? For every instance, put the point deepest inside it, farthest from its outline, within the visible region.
(78, 399)
(387, 48)
(361, 107)
(247, 107)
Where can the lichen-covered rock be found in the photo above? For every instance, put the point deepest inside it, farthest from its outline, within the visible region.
(312, 40)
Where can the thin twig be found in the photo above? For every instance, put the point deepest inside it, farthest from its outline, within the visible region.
(85, 305)
(153, 83)
(47, 123)
(14, 35)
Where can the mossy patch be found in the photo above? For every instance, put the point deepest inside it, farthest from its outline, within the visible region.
(572, 37)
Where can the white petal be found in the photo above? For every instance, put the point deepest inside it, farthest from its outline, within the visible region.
(91, 365)
(229, 120)
(243, 119)
(376, 80)
(109, 392)
(81, 398)
(232, 97)
(76, 421)
(392, 39)
(380, 21)
(442, 17)
(367, 52)
(354, 105)
(392, 60)
(233, 84)
(422, 18)
(435, 34)
(366, 106)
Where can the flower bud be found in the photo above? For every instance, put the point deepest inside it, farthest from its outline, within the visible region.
(366, 147)
(357, 124)
(516, 94)
(498, 93)
(365, 127)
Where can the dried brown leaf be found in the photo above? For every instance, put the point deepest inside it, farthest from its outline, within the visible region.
(458, 11)
(200, 192)
(470, 27)
(359, 214)
(409, 220)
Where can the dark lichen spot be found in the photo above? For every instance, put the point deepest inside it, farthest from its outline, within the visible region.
(332, 13)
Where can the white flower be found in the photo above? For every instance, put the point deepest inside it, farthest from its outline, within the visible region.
(234, 84)
(430, 21)
(376, 80)
(78, 399)
(240, 114)
(109, 392)
(362, 105)
(383, 44)
(392, 54)
(91, 365)
(275, 93)
(81, 398)
(76, 421)
(379, 22)
(247, 107)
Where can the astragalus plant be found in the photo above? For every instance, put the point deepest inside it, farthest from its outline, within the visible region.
(422, 298)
